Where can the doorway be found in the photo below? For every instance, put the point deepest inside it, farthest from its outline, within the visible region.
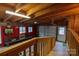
(61, 34)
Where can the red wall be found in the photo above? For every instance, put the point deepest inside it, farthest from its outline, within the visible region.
(33, 32)
(16, 32)
(3, 35)
(14, 35)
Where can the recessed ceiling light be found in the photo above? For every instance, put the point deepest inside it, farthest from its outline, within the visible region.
(16, 14)
(35, 22)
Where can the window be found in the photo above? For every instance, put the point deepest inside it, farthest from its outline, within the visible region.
(61, 31)
(29, 29)
(22, 29)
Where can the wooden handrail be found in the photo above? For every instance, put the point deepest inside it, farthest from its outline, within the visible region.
(76, 36)
(73, 42)
(45, 42)
(13, 50)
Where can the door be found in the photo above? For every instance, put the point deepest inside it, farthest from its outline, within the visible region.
(61, 36)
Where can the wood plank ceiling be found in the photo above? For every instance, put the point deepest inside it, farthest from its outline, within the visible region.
(39, 12)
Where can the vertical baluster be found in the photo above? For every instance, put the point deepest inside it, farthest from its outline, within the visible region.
(77, 47)
(42, 48)
(35, 50)
(24, 53)
(30, 51)
(27, 52)
(40, 45)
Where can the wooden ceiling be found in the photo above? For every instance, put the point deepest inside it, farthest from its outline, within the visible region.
(43, 13)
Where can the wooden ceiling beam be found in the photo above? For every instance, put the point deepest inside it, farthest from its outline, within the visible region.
(16, 10)
(28, 6)
(58, 10)
(7, 5)
(25, 8)
(38, 8)
(63, 13)
(72, 9)
(55, 9)
(48, 10)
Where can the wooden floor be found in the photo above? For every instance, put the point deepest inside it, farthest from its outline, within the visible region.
(60, 49)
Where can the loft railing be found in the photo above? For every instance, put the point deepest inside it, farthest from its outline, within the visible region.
(32, 47)
(73, 42)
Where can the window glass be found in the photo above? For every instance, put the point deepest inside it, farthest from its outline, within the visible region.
(61, 31)
(29, 29)
(22, 29)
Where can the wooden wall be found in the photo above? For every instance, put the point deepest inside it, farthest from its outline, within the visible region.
(73, 22)
(73, 35)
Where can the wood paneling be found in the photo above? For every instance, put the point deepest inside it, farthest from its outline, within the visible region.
(74, 22)
(71, 20)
